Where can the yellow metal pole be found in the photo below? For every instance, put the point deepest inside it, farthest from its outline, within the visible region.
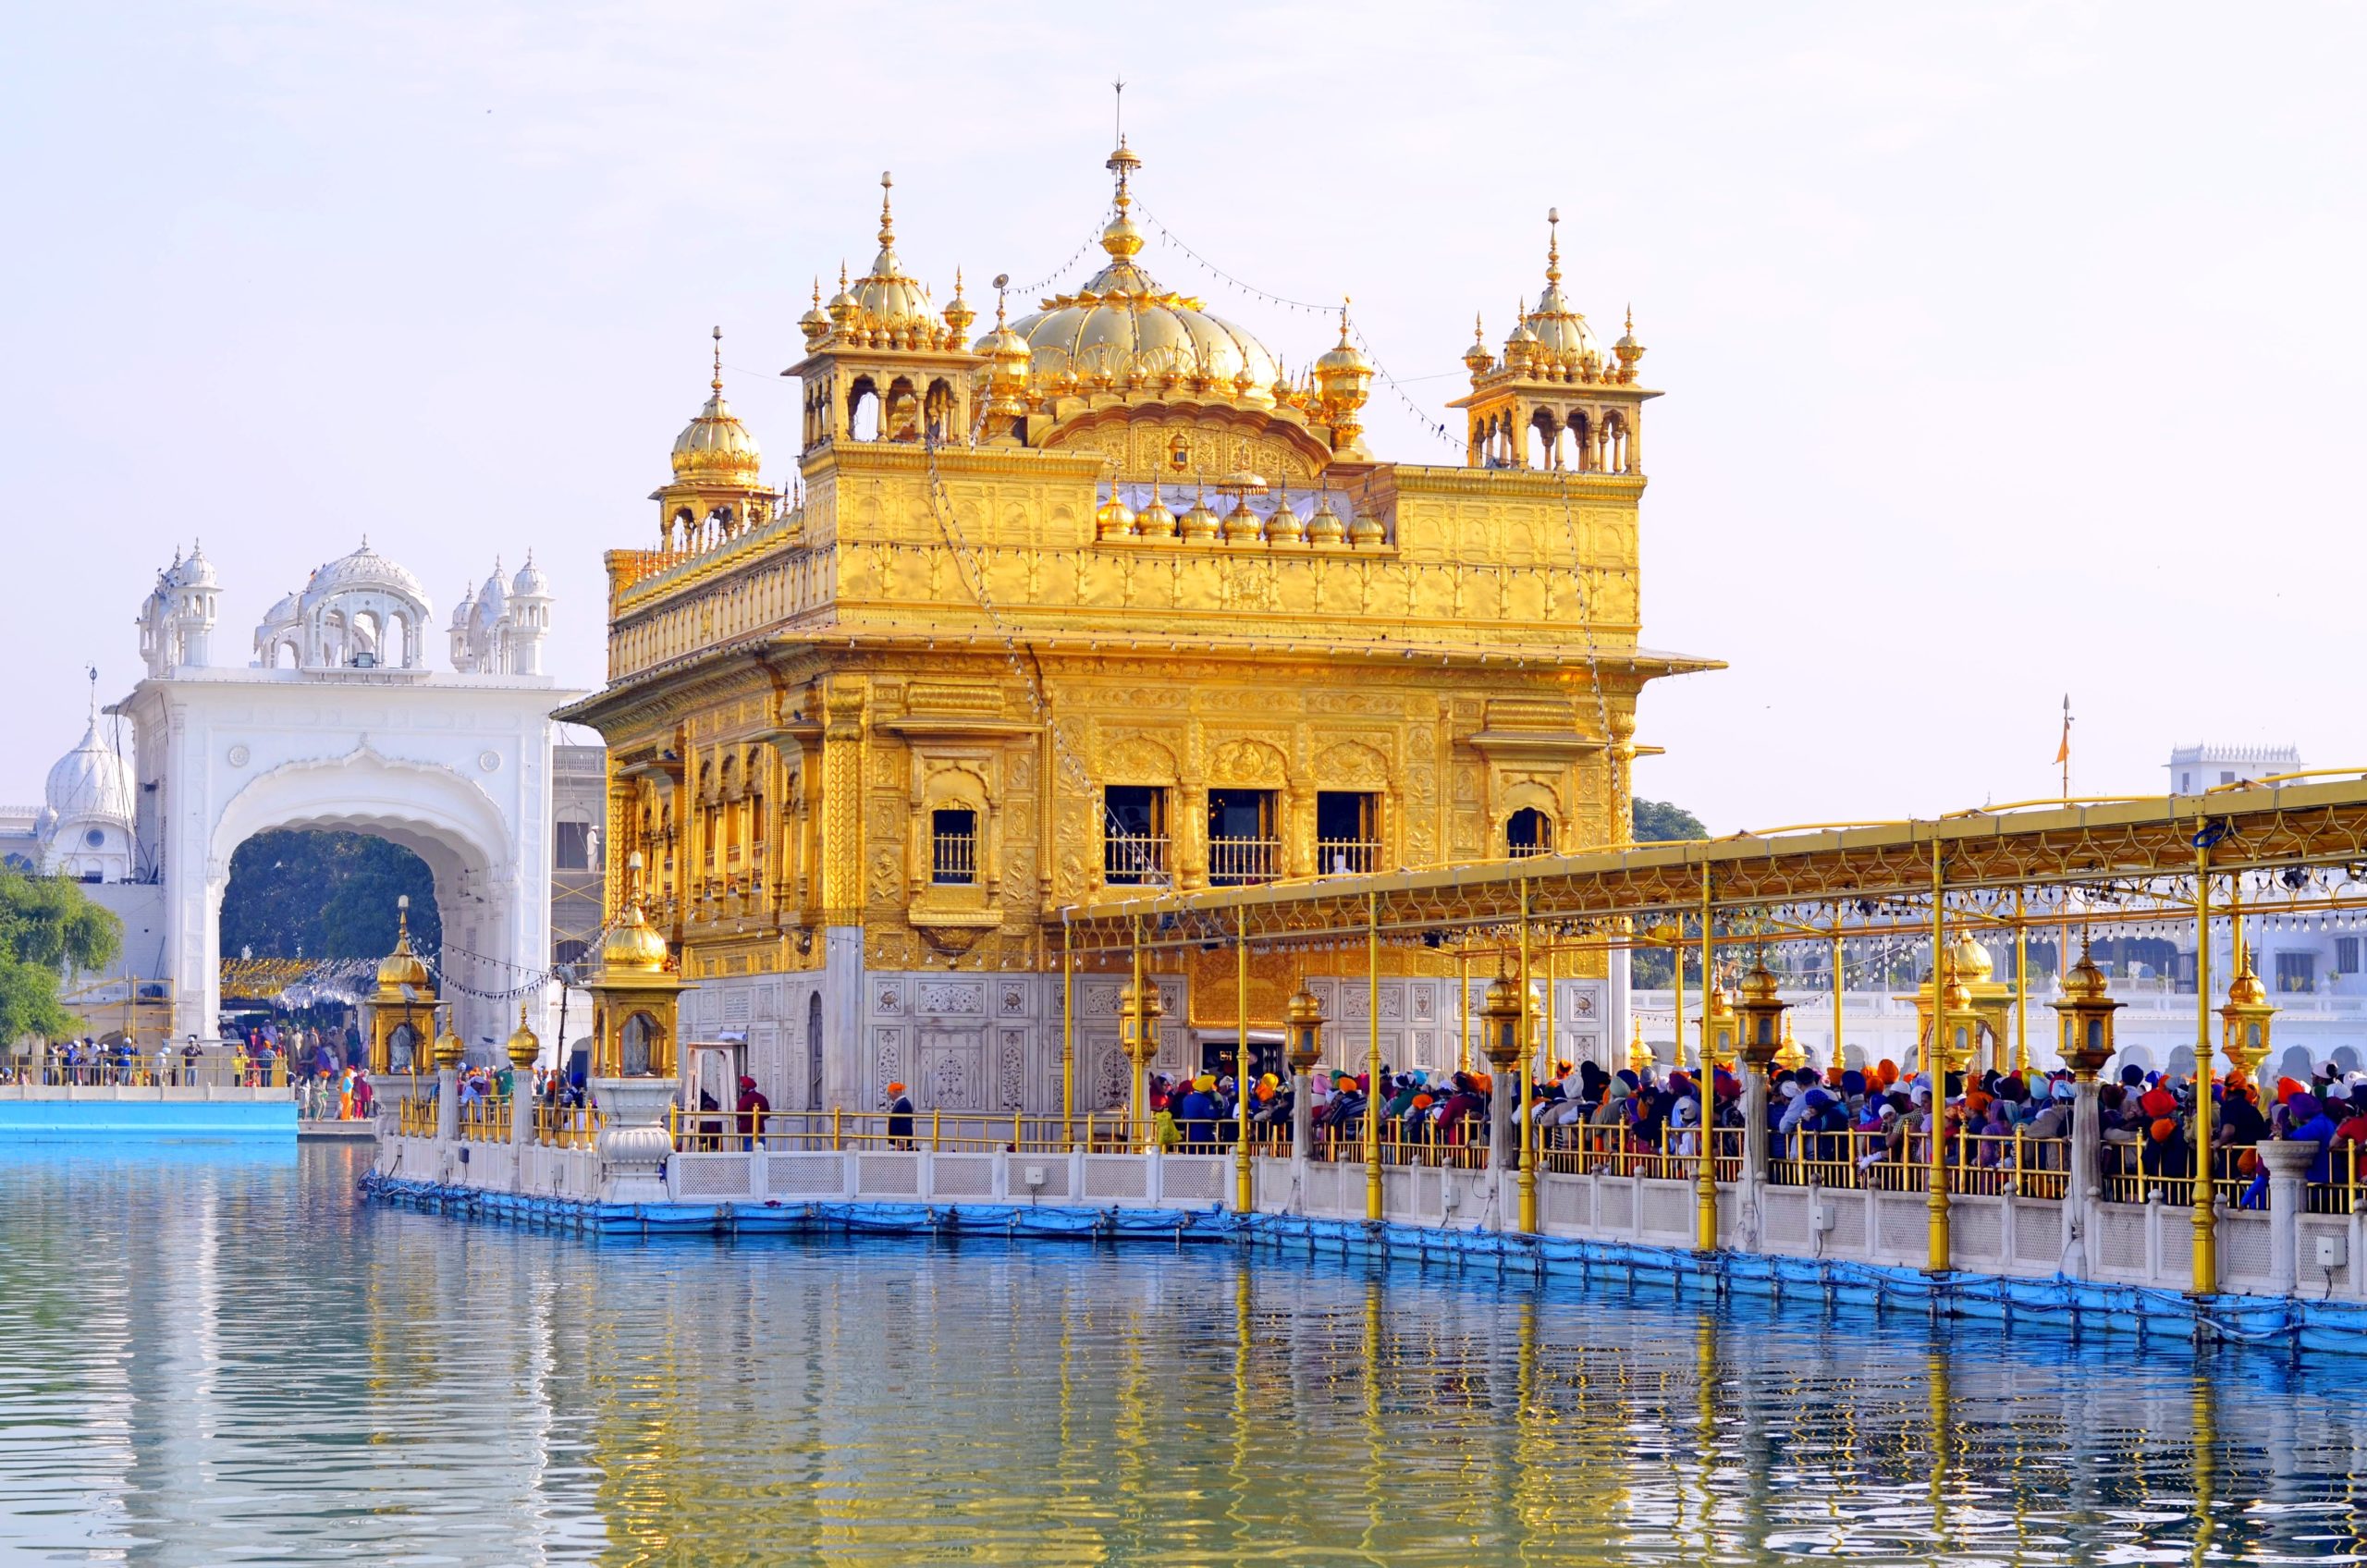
(1705, 1181)
(1373, 1096)
(1527, 1182)
(1838, 1060)
(2206, 1231)
(1463, 1009)
(1935, 1065)
(1138, 1110)
(2021, 991)
(1550, 1048)
(1068, 1035)
(1676, 961)
(1243, 1193)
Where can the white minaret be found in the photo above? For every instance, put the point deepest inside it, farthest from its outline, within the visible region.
(193, 612)
(464, 658)
(529, 619)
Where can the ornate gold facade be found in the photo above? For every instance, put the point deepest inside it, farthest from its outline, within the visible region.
(1106, 597)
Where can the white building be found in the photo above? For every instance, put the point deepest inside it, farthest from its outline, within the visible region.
(338, 723)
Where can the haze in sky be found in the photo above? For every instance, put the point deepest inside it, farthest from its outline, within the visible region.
(2010, 350)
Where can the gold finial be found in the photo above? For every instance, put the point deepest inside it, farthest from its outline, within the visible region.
(1631, 319)
(887, 218)
(1554, 245)
(1345, 301)
(718, 383)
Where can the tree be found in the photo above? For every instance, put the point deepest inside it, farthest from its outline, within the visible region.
(49, 928)
(326, 895)
(1657, 822)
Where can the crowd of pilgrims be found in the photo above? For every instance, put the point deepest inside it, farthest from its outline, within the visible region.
(1866, 1115)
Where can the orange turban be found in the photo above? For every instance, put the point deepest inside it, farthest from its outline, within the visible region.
(2165, 1129)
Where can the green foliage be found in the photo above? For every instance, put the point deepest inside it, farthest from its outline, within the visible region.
(1651, 968)
(48, 929)
(324, 896)
(1657, 822)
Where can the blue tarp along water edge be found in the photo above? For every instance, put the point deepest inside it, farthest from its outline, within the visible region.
(2077, 1305)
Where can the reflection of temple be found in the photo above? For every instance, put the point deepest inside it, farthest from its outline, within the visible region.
(1106, 597)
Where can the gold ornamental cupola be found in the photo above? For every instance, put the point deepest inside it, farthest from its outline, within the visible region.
(882, 363)
(1170, 390)
(1555, 399)
(718, 489)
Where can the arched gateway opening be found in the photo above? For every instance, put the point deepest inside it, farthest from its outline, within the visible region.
(490, 931)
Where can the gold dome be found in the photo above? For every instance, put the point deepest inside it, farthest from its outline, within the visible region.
(633, 944)
(1155, 522)
(816, 321)
(2086, 981)
(525, 1045)
(1969, 961)
(715, 447)
(1124, 328)
(2246, 990)
(1115, 519)
(1199, 525)
(1759, 985)
(885, 300)
(402, 967)
(1325, 527)
(1561, 335)
(1304, 1008)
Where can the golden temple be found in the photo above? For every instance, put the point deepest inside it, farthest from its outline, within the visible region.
(1104, 598)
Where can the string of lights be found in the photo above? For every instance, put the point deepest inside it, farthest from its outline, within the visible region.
(1381, 371)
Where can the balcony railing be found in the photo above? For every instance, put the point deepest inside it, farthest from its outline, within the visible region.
(1134, 860)
(1346, 857)
(1523, 851)
(953, 859)
(1232, 862)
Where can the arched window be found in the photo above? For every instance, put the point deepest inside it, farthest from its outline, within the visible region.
(1529, 831)
(863, 410)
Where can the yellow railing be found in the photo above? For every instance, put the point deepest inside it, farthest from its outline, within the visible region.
(2340, 1195)
(566, 1126)
(2127, 1180)
(944, 1131)
(415, 1116)
(485, 1120)
(1586, 1149)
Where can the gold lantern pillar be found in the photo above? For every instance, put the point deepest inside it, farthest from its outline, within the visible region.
(1955, 1036)
(633, 984)
(1766, 1029)
(1303, 1035)
(1719, 1030)
(2243, 1022)
(405, 997)
(525, 1049)
(1139, 1011)
(1503, 1018)
(2086, 1012)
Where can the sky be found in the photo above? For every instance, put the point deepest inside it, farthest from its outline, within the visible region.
(2010, 351)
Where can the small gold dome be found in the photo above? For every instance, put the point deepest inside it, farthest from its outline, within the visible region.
(1115, 519)
(1503, 1000)
(402, 967)
(525, 1045)
(1759, 985)
(715, 447)
(1199, 525)
(1155, 522)
(1304, 1009)
(816, 321)
(1283, 527)
(1242, 526)
(2246, 990)
(631, 945)
(1969, 961)
(1956, 997)
(2086, 981)
(1325, 527)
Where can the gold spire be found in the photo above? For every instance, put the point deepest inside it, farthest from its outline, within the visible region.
(717, 383)
(1554, 245)
(887, 215)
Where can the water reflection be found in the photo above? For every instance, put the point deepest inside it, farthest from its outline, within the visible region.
(219, 1360)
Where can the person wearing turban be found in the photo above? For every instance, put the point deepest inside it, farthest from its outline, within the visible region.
(900, 1117)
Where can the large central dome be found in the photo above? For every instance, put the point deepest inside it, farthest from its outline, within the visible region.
(1124, 329)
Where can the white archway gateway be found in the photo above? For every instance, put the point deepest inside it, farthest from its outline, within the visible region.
(357, 735)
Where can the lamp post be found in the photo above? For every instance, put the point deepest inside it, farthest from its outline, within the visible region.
(1721, 1031)
(1138, 1015)
(1527, 1129)
(2243, 1022)
(2206, 1215)
(1302, 1036)
(1503, 1017)
(1766, 1031)
(1956, 1034)
(2087, 1011)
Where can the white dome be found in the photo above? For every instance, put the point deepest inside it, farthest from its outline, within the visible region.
(197, 572)
(364, 569)
(285, 613)
(528, 581)
(464, 610)
(492, 600)
(91, 782)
